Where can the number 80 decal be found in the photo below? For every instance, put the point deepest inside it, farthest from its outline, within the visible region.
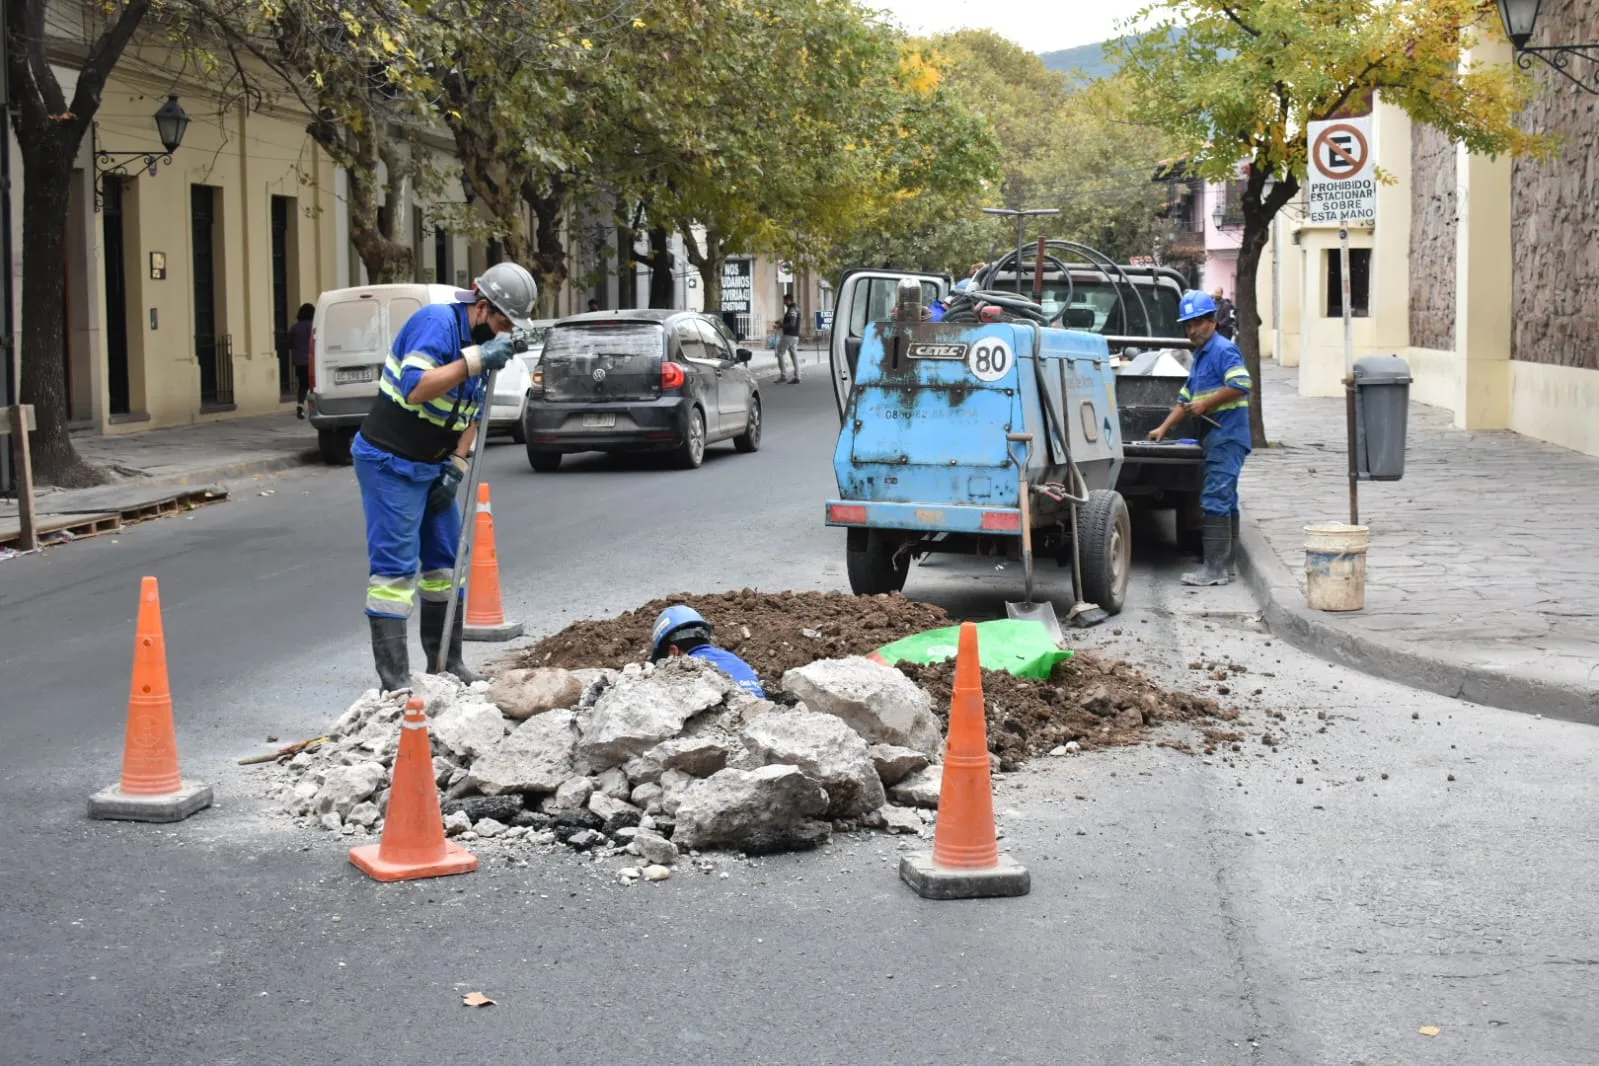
(990, 359)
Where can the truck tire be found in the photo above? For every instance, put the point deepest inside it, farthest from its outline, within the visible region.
(870, 558)
(334, 445)
(1107, 549)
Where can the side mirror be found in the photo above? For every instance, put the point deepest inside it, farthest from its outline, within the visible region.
(743, 355)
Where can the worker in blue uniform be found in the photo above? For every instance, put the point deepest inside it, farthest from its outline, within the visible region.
(411, 455)
(1217, 394)
(681, 630)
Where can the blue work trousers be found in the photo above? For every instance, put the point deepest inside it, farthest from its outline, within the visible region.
(402, 539)
(1224, 461)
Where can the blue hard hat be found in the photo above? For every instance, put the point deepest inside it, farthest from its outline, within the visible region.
(1195, 304)
(671, 622)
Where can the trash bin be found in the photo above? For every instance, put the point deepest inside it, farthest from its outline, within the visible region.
(1382, 408)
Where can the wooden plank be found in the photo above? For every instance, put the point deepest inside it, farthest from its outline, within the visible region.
(6, 418)
(80, 526)
(21, 416)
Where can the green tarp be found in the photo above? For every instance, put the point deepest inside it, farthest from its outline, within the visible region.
(1017, 647)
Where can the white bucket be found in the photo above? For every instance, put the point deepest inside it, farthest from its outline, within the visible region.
(1335, 566)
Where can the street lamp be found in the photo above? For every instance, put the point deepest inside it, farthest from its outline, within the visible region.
(1520, 18)
(171, 122)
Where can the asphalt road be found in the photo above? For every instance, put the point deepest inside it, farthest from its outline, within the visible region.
(1185, 910)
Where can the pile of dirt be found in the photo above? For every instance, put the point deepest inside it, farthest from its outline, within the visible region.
(1087, 700)
(772, 631)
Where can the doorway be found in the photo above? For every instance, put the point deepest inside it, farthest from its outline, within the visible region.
(283, 216)
(118, 381)
(212, 347)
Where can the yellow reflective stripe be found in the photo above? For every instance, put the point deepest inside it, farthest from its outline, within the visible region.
(1184, 395)
(416, 359)
(430, 411)
(1237, 373)
(1231, 406)
(435, 585)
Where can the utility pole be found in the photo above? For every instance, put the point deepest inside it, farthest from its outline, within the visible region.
(1021, 217)
(8, 372)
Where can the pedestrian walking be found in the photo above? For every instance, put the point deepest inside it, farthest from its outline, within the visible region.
(300, 355)
(1217, 394)
(789, 341)
(1226, 314)
(411, 455)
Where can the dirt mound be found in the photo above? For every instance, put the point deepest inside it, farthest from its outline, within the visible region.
(1089, 700)
(772, 631)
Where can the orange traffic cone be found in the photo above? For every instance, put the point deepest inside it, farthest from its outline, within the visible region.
(485, 616)
(965, 862)
(151, 789)
(413, 844)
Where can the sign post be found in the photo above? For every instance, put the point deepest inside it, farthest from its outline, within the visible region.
(1343, 189)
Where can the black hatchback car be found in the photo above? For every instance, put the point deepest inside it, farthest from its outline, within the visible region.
(640, 381)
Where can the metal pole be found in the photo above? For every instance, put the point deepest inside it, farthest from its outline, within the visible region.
(463, 549)
(1349, 370)
(1021, 216)
(8, 371)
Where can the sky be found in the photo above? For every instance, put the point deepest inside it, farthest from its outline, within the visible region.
(1038, 25)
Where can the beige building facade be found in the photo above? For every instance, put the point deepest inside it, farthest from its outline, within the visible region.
(1482, 272)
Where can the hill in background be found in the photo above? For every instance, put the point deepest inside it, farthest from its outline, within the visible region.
(1087, 58)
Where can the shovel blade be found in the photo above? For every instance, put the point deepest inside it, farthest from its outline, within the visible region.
(1042, 613)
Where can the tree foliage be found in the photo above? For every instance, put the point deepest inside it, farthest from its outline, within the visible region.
(1235, 82)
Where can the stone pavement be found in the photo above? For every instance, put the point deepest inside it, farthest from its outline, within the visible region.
(1482, 574)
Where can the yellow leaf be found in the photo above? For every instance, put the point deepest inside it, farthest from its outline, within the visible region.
(586, 43)
(638, 24)
(476, 999)
(1429, 1030)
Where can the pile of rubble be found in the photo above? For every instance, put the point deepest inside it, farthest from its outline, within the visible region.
(649, 758)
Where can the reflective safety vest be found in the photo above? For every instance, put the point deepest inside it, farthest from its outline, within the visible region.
(424, 432)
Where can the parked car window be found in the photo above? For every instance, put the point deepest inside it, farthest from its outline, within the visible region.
(401, 308)
(609, 338)
(350, 326)
(720, 329)
(715, 346)
(693, 344)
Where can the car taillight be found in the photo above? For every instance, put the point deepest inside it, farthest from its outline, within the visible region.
(537, 384)
(311, 362)
(672, 376)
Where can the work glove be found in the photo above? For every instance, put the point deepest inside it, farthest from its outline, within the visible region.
(490, 355)
(441, 495)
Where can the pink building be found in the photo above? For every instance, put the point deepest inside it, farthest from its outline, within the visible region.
(1224, 231)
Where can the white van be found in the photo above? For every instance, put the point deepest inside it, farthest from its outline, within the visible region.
(351, 337)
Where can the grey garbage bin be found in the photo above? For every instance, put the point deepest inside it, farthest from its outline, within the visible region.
(1382, 407)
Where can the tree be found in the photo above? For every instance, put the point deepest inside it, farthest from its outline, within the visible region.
(50, 130)
(1236, 81)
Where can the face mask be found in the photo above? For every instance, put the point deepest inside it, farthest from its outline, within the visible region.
(482, 333)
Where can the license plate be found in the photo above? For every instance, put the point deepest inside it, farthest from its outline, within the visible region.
(599, 421)
(352, 377)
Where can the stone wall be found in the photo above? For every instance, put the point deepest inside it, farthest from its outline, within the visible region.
(1555, 211)
(1433, 226)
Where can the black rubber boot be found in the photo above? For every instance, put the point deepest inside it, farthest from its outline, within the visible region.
(390, 654)
(1232, 552)
(1218, 553)
(432, 635)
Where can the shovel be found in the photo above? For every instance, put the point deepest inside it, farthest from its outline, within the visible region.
(1027, 610)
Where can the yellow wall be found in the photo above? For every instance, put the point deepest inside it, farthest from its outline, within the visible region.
(1321, 339)
(1559, 404)
(248, 158)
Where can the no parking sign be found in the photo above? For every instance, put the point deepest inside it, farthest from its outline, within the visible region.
(1343, 174)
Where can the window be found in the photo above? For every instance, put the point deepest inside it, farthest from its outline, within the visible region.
(350, 326)
(693, 345)
(876, 302)
(714, 346)
(1359, 283)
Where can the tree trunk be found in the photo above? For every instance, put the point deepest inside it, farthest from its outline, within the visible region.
(1249, 324)
(47, 166)
(663, 293)
(708, 260)
(549, 251)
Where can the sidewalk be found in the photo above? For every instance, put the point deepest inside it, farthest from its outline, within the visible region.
(1483, 571)
(158, 472)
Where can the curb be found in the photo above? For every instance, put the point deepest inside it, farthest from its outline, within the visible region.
(217, 474)
(1284, 611)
